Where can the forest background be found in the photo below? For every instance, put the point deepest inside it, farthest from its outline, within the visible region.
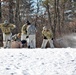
(58, 15)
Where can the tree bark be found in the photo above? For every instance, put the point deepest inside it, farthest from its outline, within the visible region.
(49, 17)
(11, 15)
(55, 18)
(0, 12)
(63, 18)
(17, 16)
(58, 18)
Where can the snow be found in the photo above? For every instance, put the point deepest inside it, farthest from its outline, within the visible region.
(68, 11)
(38, 61)
(67, 41)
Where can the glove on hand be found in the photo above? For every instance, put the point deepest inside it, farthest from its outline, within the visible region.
(45, 37)
(27, 36)
(23, 41)
(52, 38)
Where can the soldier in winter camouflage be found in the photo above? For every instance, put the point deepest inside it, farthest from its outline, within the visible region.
(16, 41)
(47, 37)
(31, 34)
(24, 33)
(6, 28)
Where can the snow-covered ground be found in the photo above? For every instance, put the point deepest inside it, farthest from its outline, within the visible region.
(67, 41)
(38, 61)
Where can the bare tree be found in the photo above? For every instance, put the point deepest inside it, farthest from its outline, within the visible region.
(17, 15)
(55, 18)
(0, 12)
(11, 15)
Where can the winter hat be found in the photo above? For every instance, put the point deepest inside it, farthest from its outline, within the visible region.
(6, 22)
(28, 23)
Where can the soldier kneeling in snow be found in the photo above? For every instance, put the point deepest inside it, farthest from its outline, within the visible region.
(16, 41)
(6, 28)
(47, 37)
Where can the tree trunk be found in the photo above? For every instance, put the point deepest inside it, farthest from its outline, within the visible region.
(17, 16)
(55, 18)
(11, 15)
(58, 18)
(49, 18)
(1, 35)
(0, 12)
(62, 20)
(37, 13)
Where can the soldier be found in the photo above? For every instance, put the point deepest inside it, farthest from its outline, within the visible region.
(16, 37)
(47, 37)
(6, 28)
(24, 34)
(31, 34)
(16, 41)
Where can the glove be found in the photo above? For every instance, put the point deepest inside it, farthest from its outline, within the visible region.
(52, 38)
(27, 36)
(9, 40)
(28, 46)
(45, 37)
(23, 41)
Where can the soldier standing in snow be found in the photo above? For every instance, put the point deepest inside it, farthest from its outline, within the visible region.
(31, 34)
(6, 28)
(47, 37)
(24, 34)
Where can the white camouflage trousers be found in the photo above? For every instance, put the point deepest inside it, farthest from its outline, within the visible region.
(45, 42)
(23, 37)
(32, 41)
(7, 40)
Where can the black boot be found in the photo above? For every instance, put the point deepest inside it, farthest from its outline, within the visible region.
(23, 46)
(28, 46)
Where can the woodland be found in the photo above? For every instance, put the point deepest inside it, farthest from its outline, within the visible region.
(58, 15)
